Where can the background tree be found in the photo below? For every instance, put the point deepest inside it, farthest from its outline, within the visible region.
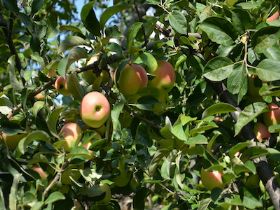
(193, 90)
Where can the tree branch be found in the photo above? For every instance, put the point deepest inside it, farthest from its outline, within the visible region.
(8, 32)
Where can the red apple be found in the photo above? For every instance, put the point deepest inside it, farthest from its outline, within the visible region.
(273, 17)
(261, 132)
(164, 76)
(272, 117)
(95, 109)
(212, 179)
(61, 86)
(71, 132)
(132, 79)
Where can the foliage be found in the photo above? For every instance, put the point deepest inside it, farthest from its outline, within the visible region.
(154, 145)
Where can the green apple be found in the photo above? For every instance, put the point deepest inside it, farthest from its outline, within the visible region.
(132, 79)
(95, 109)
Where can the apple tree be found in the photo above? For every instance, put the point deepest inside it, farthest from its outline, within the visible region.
(132, 104)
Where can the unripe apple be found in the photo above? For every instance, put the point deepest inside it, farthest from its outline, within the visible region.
(95, 109)
(273, 17)
(12, 140)
(261, 132)
(40, 171)
(272, 117)
(212, 179)
(71, 132)
(164, 76)
(61, 86)
(132, 79)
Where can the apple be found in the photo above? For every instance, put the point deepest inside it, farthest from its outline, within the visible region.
(164, 76)
(261, 132)
(132, 79)
(95, 109)
(252, 181)
(272, 117)
(40, 171)
(71, 133)
(12, 140)
(273, 17)
(212, 179)
(61, 86)
(105, 189)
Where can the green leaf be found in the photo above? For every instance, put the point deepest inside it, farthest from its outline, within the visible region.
(178, 131)
(36, 6)
(219, 30)
(52, 120)
(132, 32)
(11, 5)
(238, 147)
(165, 169)
(237, 82)
(109, 12)
(178, 22)
(219, 108)
(89, 19)
(251, 202)
(268, 70)
(62, 66)
(115, 113)
(218, 69)
(203, 204)
(150, 61)
(248, 114)
(199, 139)
(265, 38)
(38, 205)
(71, 28)
(38, 105)
(70, 42)
(34, 136)
(273, 53)
(74, 87)
(55, 196)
